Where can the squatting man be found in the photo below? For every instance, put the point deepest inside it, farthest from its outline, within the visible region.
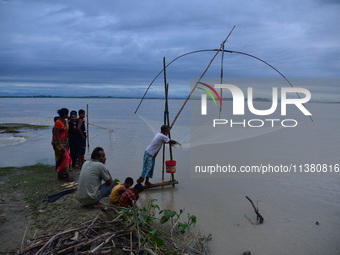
(90, 188)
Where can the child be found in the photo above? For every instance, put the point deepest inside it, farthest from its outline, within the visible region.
(130, 197)
(81, 138)
(53, 129)
(119, 189)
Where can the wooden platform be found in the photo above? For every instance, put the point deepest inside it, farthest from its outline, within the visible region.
(161, 184)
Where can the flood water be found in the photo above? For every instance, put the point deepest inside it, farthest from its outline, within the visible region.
(290, 204)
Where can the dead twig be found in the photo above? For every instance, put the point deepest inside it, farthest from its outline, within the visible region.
(259, 216)
(98, 248)
(47, 244)
(23, 238)
(92, 222)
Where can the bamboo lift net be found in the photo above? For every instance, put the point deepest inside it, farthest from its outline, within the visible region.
(221, 51)
(218, 137)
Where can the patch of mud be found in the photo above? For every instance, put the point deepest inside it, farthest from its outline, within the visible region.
(21, 222)
(13, 222)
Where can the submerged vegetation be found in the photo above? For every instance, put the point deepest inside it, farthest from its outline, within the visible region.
(18, 127)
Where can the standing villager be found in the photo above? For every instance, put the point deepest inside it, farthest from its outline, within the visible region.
(72, 137)
(60, 145)
(90, 187)
(151, 153)
(81, 138)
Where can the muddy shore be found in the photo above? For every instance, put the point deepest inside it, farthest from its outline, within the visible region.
(25, 215)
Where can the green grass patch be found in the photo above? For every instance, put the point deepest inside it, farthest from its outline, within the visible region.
(34, 183)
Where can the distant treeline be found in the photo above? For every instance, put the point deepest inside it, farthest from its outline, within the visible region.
(121, 97)
(42, 96)
(193, 98)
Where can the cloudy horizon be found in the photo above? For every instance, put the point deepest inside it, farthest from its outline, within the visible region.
(106, 48)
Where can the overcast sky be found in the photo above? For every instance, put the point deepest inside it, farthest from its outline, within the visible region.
(116, 48)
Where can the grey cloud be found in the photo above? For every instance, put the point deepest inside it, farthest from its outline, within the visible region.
(119, 42)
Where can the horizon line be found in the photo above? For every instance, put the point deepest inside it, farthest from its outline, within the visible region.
(130, 97)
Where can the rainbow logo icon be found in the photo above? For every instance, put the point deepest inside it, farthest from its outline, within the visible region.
(204, 97)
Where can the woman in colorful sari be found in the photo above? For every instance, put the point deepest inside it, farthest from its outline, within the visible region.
(60, 145)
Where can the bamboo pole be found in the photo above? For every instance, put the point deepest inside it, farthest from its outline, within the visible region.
(164, 122)
(221, 80)
(163, 162)
(199, 80)
(169, 134)
(167, 119)
(161, 184)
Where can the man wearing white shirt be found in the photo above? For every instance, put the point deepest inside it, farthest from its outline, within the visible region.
(151, 153)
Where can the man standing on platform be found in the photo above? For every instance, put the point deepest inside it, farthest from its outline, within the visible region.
(151, 153)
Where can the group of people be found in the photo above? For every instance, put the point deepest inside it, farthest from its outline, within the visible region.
(68, 141)
(95, 181)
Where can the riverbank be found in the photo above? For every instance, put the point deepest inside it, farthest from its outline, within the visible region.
(26, 219)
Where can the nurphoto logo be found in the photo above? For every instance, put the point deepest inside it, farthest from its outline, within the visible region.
(280, 97)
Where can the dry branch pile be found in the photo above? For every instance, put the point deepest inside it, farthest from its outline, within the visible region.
(82, 239)
(120, 235)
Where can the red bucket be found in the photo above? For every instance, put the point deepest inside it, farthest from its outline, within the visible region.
(170, 166)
